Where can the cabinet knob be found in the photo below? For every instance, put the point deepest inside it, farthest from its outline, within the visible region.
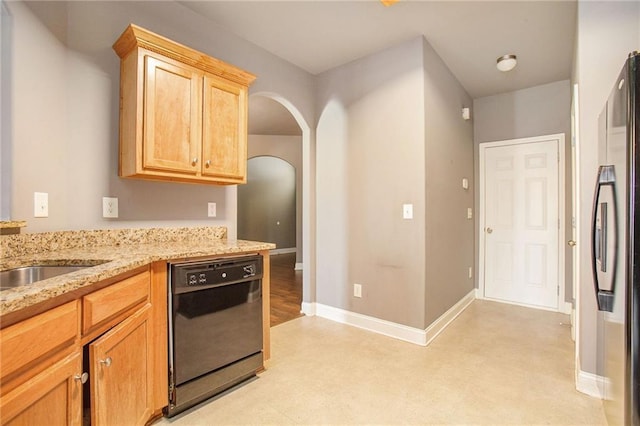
(82, 378)
(207, 164)
(571, 243)
(106, 362)
(489, 230)
(194, 161)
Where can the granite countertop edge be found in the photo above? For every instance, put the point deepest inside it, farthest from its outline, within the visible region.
(108, 261)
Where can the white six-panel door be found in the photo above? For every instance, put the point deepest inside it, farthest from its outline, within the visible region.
(520, 226)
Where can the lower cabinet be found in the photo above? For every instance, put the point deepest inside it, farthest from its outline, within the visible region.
(120, 368)
(108, 375)
(53, 397)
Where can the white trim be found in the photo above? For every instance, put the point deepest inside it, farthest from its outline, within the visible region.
(380, 326)
(445, 319)
(573, 324)
(388, 328)
(587, 383)
(577, 200)
(298, 266)
(308, 308)
(560, 140)
(283, 251)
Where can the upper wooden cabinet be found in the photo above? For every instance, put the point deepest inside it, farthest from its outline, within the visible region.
(183, 114)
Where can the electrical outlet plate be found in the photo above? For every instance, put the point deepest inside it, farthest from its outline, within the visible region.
(110, 207)
(211, 209)
(357, 290)
(40, 204)
(469, 213)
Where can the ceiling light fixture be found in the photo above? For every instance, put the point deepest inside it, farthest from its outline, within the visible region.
(506, 63)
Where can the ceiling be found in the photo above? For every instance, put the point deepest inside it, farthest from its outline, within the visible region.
(468, 35)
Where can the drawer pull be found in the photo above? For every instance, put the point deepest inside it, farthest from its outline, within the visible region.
(106, 362)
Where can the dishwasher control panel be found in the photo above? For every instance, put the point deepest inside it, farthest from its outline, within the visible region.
(216, 271)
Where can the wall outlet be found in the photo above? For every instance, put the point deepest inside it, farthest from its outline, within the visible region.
(469, 213)
(357, 290)
(110, 207)
(40, 204)
(211, 209)
(470, 272)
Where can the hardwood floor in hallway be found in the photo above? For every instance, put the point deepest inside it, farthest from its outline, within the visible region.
(286, 288)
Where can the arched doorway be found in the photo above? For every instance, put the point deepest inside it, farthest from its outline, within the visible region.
(266, 113)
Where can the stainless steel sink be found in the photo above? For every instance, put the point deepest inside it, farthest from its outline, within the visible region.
(29, 274)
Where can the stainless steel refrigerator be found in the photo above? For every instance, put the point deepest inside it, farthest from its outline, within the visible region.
(615, 247)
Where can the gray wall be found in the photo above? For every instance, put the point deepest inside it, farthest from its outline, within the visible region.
(267, 203)
(607, 32)
(449, 159)
(390, 133)
(536, 111)
(289, 148)
(65, 91)
(370, 160)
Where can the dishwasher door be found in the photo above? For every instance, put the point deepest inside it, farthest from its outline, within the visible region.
(215, 327)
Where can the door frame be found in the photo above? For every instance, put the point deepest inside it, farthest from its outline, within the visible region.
(563, 306)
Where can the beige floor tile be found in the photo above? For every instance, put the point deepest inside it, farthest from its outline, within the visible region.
(495, 364)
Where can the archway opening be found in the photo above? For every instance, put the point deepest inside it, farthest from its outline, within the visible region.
(277, 129)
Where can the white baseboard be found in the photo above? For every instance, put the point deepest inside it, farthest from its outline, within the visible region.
(308, 308)
(298, 266)
(387, 328)
(398, 331)
(445, 319)
(587, 383)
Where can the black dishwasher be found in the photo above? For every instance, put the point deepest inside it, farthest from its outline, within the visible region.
(215, 327)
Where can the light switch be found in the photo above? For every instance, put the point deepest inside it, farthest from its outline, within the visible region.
(407, 211)
(40, 204)
(465, 183)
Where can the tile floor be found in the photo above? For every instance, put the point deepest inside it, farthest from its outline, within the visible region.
(495, 364)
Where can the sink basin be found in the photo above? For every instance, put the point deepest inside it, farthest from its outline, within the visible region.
(29, 274)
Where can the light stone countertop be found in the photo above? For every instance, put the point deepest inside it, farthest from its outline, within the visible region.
(10, 224)
(118, 259)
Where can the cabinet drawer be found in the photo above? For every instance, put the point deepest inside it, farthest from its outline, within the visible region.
(37, 337)
(104, 304)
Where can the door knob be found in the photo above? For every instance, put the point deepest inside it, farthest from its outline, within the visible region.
(489, 230)
(106, 362)
(571, 243)
(82, 378)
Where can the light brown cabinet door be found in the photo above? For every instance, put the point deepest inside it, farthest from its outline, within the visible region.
(224, 139)
(120, 372)
(53, 397)
(172, 116)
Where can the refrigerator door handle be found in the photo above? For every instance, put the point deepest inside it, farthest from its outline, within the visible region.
(599, 237)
